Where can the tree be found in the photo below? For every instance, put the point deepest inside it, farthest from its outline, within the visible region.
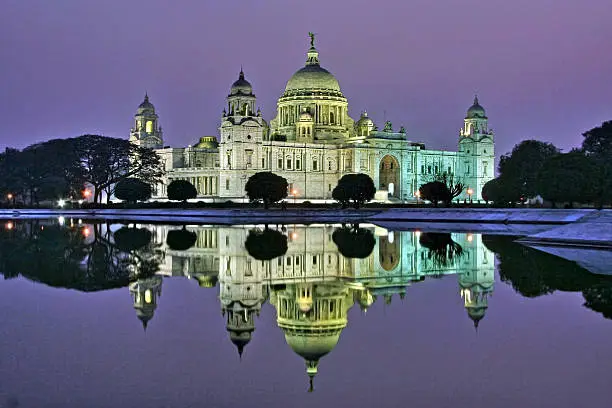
(267, 187)
(435, 191)
(568, 177)
(131, 239)
(358, 188)
(520, 168)
(266, 245)
(132, 190)
(597, 145)
(500, 192)
(105, 161)
(181, 240)
(454, 184)
(181, 190)
(354, 242)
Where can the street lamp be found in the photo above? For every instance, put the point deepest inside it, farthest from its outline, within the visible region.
(417, 194)
(469, 193)
(294, 194)
(10, 197)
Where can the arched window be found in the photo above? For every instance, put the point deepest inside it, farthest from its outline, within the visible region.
(331, 118)
(149, 128)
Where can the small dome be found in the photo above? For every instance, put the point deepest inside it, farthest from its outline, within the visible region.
(365, 120)
(476, 111)
(207, 142)
(241, 86)
(146, 106)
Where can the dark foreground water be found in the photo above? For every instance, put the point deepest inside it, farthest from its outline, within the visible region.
(161, 316)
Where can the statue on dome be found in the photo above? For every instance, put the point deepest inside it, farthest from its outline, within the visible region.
(388, 127)
(312, 38)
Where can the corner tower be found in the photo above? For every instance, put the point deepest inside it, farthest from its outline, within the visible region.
(242, 132)
(476, 160)
(146, 131)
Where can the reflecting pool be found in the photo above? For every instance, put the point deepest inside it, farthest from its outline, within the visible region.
(126, 315)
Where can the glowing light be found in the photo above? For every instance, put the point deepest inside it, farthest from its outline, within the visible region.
(61, 202)
(294, 235)
(294, 192)
(470, 237)
(61, 220)
(86, 193)
(9, 196)
(417, 193)
(86, 232)
(417, 233)
(390, 237)
(9, 225)
(470, 191)
(147, 296)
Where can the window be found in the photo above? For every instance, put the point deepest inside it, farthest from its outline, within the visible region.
(436, 171)
(227, 184)
(249, 154)
(288, 261)
(449, 170)
(249, 137)
(428, 169)
(289, 164)
(329, 187)
(298, 164)
(149, 127)
(263, 163)
(315, 165)
(280, 261)
(280, 162)
(484, 168)
(229, 159)
(329, 165)
(297, 261)
(314, 259)
(422, 168)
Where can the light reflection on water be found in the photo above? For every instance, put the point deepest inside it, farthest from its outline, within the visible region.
(312, 284)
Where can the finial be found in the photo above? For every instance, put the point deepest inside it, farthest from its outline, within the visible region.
(312, 38)
(144, 325)
(241, 75)
(240, 350)
(311, 385)
(476, 99)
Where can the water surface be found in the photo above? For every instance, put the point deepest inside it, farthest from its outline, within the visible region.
(165, 316)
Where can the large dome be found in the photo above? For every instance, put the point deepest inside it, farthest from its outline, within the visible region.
(476, 110)
(312, 77)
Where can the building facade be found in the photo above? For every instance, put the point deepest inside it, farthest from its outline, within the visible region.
(313, 142)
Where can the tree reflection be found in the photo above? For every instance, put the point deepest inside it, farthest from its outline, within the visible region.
(83, 258)
(443, 251)
(534, 273)
(181, 240)
(354, 242)
(266, 245)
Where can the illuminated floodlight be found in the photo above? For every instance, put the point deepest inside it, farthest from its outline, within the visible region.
(61, 202)
(61, 220)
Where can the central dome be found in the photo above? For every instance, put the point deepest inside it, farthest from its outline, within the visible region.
(312, 77)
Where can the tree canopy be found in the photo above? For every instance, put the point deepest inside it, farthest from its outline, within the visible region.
(597, 145)
(181, 240)
(266, 187)
(266, 245)
(443, 250)
(520, 168)
(132, 190)
(358, 188)
(435, 191)
(354, 242)
(181, 190)
(568, 177)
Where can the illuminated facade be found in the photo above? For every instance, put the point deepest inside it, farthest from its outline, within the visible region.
(312, 286)
(313, 142)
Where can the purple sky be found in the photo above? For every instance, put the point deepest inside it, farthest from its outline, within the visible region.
(541, 67)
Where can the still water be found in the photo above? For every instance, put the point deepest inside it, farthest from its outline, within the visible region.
(109, 315)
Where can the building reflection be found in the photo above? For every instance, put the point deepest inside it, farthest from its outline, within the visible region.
(312, 285)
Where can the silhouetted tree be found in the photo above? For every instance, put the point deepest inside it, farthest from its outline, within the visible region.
(181, 240)
(443, 250)
(597, 145)
(266, 187)
(132, 190)
(520, 168)
(181, 190)
(568, 177)
(453, 183)
(266, 245)
(354, 242)
(340, 194)
(358, 188)
(500, 192)
(435, 192)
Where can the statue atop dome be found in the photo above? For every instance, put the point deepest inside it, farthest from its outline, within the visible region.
(312, 38)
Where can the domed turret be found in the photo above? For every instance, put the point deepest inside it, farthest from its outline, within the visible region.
(241, 86)
(145, 292)
(207, 142)
(476, 111)
(146, 106)
(312, 77)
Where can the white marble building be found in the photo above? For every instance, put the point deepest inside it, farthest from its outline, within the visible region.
(313, 142)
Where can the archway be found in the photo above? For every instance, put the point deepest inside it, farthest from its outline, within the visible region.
(389, 176)
(389, 251)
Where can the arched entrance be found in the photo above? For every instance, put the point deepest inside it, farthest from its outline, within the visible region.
(389, 176)
(389, 251)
